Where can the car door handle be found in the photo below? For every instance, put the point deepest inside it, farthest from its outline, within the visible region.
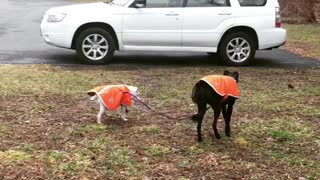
(172, 14)
(224, 13)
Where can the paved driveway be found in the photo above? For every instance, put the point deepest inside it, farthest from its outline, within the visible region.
(20, 43)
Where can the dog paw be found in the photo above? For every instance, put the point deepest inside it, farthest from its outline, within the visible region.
(124, 119)
(194, 117)
(217, 136)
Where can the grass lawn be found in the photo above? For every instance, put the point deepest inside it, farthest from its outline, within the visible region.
(48, 129)
(304, 39)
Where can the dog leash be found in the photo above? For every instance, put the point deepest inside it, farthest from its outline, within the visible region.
(154, 111)
(160, 113)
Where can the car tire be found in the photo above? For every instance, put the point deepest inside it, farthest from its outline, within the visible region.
(95, 46)
(237, 49)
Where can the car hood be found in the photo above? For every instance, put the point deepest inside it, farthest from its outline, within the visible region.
(83, 8)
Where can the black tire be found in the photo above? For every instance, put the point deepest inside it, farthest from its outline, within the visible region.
(211, 53)
(222, 51)
(104, 58)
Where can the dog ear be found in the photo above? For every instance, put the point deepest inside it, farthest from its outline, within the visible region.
(226, 72)
(236, 75)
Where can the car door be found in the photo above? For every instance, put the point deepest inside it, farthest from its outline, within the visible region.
(157, 24)
(201, 19)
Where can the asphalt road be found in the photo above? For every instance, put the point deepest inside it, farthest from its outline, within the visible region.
(21, 43)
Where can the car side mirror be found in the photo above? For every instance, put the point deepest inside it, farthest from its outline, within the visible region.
(140, 3)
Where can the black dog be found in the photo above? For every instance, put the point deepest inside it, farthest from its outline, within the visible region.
(204, 93)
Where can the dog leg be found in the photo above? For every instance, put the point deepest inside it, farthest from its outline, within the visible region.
(101, 111)
(224, 111)
(225, 117)
(217, 111)
(228, 119)
(199, 117)
(123, 113)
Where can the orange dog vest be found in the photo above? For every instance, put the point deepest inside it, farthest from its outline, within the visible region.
(223, 85)
(112, 96)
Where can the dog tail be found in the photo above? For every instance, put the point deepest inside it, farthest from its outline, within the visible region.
(195, 94)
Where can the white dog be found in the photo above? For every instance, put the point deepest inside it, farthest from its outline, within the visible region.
(112, 96)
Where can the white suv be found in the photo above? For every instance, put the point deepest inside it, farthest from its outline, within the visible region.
(234, 29)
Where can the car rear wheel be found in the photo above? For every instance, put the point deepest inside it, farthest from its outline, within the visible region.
(237, 49)
(95, 46)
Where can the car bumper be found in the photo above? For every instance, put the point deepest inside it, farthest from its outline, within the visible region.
(56, 34)
(272, 38)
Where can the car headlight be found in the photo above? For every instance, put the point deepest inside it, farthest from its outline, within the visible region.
(56, 17)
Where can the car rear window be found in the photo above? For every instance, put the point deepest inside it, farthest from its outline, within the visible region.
(252, 2)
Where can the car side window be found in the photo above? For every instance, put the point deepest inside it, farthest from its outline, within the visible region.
(163, 3)
(252, 2)
(207, 3)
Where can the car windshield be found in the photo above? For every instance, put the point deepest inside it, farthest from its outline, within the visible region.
(117, 2)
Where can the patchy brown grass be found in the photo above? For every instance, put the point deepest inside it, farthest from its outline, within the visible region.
(48, 129)
(304, 39)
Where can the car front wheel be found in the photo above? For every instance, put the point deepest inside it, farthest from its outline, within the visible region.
(95, 46)
(237, 49)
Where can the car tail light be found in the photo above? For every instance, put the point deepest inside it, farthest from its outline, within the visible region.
(278, 18)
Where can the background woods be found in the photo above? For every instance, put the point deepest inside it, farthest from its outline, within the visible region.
(301, 10)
